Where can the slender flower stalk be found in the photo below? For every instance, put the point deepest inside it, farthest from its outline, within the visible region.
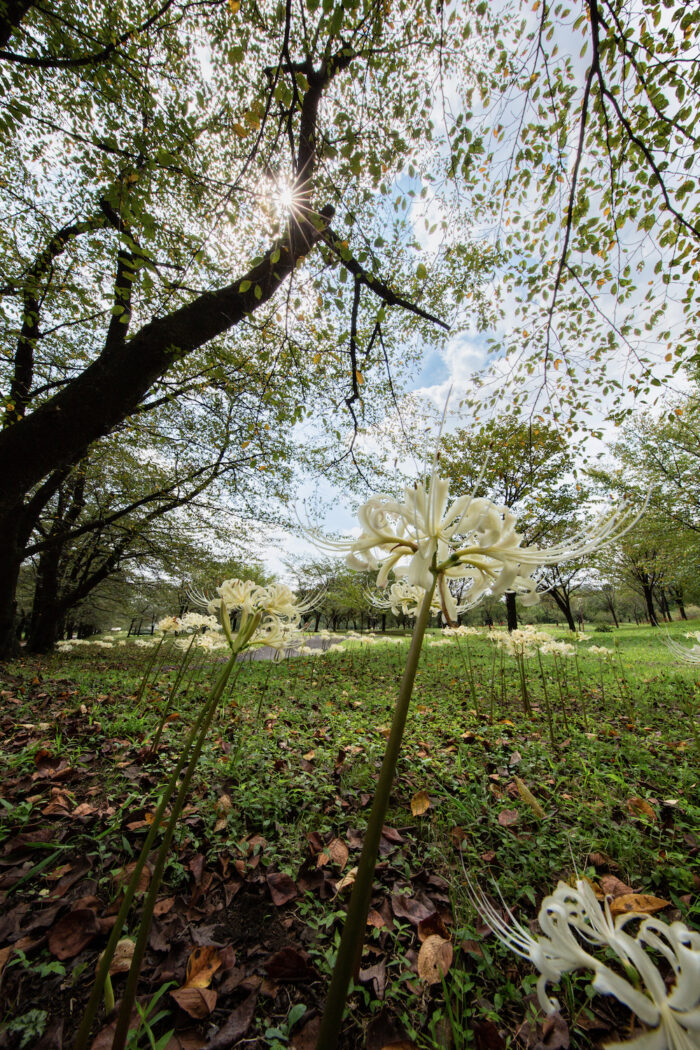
(474, 540)
(349, 951)
(547, 705)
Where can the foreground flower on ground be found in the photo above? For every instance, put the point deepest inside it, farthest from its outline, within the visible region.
(572, 921)
(431, 542)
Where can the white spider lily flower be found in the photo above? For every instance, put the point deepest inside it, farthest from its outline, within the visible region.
(687, 655)
(472, 539)
(552, 648)
(169, 625)
(402, 597)
(570, 916)
(602, 651)
(194, 621)
(462, 631)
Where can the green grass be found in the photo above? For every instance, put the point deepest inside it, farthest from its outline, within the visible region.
(296, 749)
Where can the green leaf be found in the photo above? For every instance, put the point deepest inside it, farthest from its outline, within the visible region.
(244, 286)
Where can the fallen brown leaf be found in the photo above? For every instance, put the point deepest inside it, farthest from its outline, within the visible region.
(236, 1026)
(197, 1002)
(282, 888)
(639, 807)
(434, 958)
(72, 933)
(508, 817)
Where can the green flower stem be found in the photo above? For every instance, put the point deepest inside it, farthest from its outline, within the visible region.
(350, 949)
(580, 694)
(469, 669)
(547, 705)
(146, 674)
(523, 684)
(122, 1030)
(178, 678)
(93, 1003)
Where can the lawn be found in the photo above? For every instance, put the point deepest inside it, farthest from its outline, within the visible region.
(599, 779)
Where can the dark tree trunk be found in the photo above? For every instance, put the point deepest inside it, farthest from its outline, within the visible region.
(511, 611)
(649, 602)
(12, 539)
(663, 602)
(11, 14)
(46, 612)
(562, 600)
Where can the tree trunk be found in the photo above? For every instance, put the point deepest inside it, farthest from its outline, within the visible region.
(511, 611)
(11, 14)
(562, 600)
(649, 602)
(12, 554)
(43, 622)
(663, 602)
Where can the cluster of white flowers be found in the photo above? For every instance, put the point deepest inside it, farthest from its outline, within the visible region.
(269, 616)
(571, 918)
(462, 631)
(552, 648)
(403, 597)
(473, 539)
(601, 651)
(523, 642)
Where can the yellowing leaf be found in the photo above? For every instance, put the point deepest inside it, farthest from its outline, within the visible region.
(637, 903)
(527, 796)
(420, 803)
(639, 807)
(201, 967)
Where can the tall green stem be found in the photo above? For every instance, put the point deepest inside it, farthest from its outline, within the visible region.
(350, 948)
(122, 1028)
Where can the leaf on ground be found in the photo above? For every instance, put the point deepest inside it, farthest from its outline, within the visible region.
(420, 803)
(433, 924)
(346, 881)
(236, 1026)
(5, 954)
(187, 1040)
(412, 908)
(201, 967)
(639, 903)
(338, 852)
(527, 797)
(163, 906)
(507, 818)
(639, 807)
(121, 960)
(73, 932)
(385, 1031)
(282, 888)
(104, 1040)
(197, 1002)
(614, 887)
(374, 918)
(434, 958)
(487, 1036)
(376, 976)
(290, 964)
(307, 1037)
(124, 875)
(602, 860)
